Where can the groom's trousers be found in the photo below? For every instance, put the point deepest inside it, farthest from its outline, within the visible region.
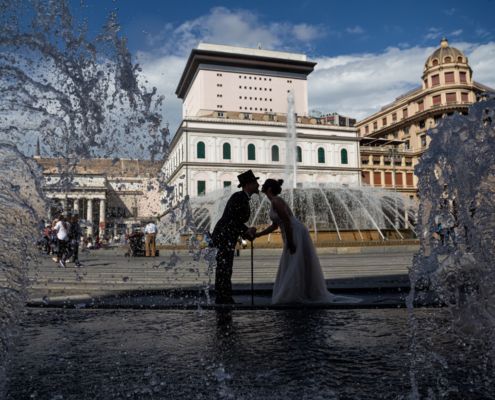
(223, 275)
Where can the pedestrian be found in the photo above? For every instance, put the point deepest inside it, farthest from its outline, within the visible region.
(62, 230)
(75, 234)
(150, 232)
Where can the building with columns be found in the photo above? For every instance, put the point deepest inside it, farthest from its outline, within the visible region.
(114, 197)
(394, 138)
(235, 107)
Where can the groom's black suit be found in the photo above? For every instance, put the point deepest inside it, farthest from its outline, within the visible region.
(231, 225)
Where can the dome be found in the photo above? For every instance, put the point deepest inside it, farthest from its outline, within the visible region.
(445, 55)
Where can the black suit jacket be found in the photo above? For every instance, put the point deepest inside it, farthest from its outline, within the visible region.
(232, 224)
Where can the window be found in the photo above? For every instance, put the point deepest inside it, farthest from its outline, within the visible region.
(447, 59)
(449, 77)
(409, 179)
(227, 184)
(275, 153)
(394, 117)
(459, 59)
(366, 129)
(321, 155)
(200, 150)
(398, 179)
(384, 121)
(251, 152)
(407, 145)
(298, 154)
(437, 100)
(404, 113)
(343, 157)
(465, 97)
(421, 106)
(435, 62)
(406, 130)
(435, 80)
(219, 85)
(226, 151)
(375, 125)
(366, 177)
(451, 98)
(422, 124)
(423, 140)
(388, 178)
(201, 188)
(219, 74)
(377, 178)
(462, 77)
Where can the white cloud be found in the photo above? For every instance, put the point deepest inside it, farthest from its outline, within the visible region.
(238, 28)
(306, 33)
(433, 33)
(354, 85)
(359, 85)
(356, 30)
(456, 32)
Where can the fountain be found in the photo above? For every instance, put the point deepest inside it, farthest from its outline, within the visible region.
(370, 213)
(456, 188)
(251, 354)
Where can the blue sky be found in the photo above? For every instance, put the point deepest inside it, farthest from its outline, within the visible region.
(367, 52)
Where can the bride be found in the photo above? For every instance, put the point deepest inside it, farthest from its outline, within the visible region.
(299, 277)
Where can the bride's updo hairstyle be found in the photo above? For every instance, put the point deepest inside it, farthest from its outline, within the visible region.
(275, 185)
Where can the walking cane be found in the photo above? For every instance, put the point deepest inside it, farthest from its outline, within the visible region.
(252, 274)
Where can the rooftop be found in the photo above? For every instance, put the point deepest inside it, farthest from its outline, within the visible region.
(252, 52)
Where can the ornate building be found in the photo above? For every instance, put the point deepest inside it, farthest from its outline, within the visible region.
(235, 103)
(395, 137)
(113, 196)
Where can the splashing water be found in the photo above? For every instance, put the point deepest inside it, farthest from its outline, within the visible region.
(21, 206)
(323, 207)
(457, 230)
(78, 98)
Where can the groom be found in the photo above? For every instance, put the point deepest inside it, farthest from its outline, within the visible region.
(227, 231)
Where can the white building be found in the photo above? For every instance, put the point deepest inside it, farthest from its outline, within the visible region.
(234, 119)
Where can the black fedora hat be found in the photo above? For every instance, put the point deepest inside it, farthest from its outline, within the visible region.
(246, 177)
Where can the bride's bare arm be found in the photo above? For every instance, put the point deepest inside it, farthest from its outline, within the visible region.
(282, 211)
(270, 229)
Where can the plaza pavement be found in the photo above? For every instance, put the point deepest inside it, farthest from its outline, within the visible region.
(108, 274)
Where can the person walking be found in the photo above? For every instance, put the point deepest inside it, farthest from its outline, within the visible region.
(75, 234)
(62, 230)
(150, 232)
(227, 231)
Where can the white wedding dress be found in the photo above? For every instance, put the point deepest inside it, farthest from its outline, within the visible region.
(299, 277)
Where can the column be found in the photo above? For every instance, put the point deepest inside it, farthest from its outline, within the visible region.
(64, 205)
(102, 222)
(76, 206)
(89, 217)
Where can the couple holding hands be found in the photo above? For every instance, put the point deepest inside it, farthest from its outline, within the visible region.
(299, 277)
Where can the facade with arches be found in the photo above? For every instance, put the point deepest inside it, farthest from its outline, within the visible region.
(394, 138)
